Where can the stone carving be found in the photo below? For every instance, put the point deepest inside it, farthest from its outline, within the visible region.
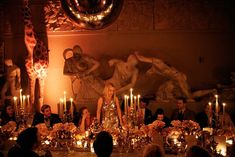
(37, 59)
(55, 18)
(12, 80)
(125, 73)
(87, 86)
(80, 68)
(177, 84)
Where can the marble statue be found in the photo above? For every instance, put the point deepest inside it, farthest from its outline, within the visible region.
(80, 68)
(12, 79)
(177, 84)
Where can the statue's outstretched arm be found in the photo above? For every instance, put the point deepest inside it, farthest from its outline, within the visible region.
(95, 65)
(131, 84)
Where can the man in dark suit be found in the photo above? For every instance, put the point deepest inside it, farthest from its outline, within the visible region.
(182, 112)
(46, 117)
(144, 102)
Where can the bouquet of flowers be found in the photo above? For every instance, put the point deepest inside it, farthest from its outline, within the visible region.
(64, 131)
(190, 127)
(176, 123)
(43, 130)
(9, 128)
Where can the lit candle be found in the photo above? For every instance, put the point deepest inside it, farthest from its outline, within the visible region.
(131, 96)
(28, 103)
(224, 104)
(210, 107)
(20, 97)
(125, 104)
(60, 108)
(64, 101)
(71, 107)
(24, 98)
(23, 106)
(138, 101)
(216, 104)
(135, 102)
(15, 104)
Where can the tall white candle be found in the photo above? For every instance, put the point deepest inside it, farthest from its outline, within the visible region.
(216, 104)
(65, 101)
(20, 97)
(131, 97)
(138, 101)
(125, 105)
(23, 106)
(61, 107)
(71, 107)
(224, 104)
(135, 102)
(15, 104)
(28, 103)
(210, 107)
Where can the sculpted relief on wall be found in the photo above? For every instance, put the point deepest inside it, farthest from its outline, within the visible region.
(87, 86)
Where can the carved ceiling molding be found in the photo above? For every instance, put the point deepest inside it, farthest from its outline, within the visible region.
(55, 18)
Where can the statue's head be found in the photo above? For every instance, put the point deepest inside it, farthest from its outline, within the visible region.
(77, 52)
(132, 59)
(8, 62)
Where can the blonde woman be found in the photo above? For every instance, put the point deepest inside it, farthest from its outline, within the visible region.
(108, 109)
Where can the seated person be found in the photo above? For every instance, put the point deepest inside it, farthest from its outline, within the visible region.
(144, 102)
(196, 151)
(83, 119)
(159, 115)
(8, 114)
(153, 150)
(103, 144)
(182, 112)
(27, 141)
(206, 118)
(46, 117)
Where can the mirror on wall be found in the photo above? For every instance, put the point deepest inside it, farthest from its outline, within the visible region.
(92, 14)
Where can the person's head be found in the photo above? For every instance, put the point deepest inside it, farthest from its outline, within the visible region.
(8, 62)
(46, 110)
(153, 150)
(8, 110)
(29, 138)
(144, 102)
(83, 110)
(159, 114)
(103, 144)
(132, 59)
(77, 52)
(181, 103)
(109, 90)
(196, 151)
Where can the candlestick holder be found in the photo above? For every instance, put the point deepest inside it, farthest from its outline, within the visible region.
(67, 117)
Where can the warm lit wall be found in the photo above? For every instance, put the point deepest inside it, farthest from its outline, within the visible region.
(176, 34)
(180, 49)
